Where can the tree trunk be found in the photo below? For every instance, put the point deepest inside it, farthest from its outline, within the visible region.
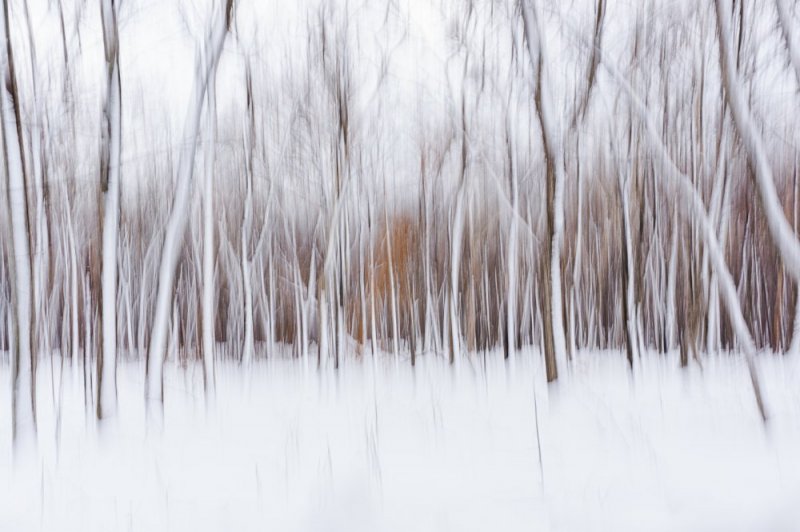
(555, 342)
(23, 423)
(176, 225)
(110, 184)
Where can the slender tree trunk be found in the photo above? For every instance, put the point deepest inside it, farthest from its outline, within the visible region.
(176, 224)
(628, 301)
(779, 228)
(247, 229)
(110, 184)
(555, 342)
(22, 358)
(392, 290)
(247, 285)
(512, 258)
(207, 308)
(794, 345)
(695, 208)
(456, 238)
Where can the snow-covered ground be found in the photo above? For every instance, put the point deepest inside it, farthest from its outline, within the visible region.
(384, 446)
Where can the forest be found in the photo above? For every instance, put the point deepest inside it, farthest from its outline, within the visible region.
(209, 186)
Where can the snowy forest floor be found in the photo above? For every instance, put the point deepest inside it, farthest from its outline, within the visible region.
(379, 445)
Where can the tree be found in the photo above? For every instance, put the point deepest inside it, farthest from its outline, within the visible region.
(110, 185)
(207, 301)
(554, 340)
(178, 218)
(22, 355)
(779, 228)
(691, 201)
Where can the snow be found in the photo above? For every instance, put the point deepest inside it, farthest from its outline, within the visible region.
(376, 446)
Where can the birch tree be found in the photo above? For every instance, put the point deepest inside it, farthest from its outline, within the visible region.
(23, 421)
(628, 280)
(512, 256)
(207, 308)
(694, 207)
(178, 218)
(247, 226)
(554, 340)
(110, 185)
(780, 229)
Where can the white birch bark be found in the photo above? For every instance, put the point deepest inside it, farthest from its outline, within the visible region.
(176, 224)
(247, 286)
(23, 402)
(457, 233)
(630, 301)
(511, 257)
(112, 117)
(553, 148)
(392, 290)
(511, 288)
(208, 240)
(693, 203)
(672, 275)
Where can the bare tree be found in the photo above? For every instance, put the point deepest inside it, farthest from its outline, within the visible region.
(110, 185)
(22, 355)
(695, 209)
(789, 29)
(781, 231)
(176, 225)
(208, 282)
(554, 340)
